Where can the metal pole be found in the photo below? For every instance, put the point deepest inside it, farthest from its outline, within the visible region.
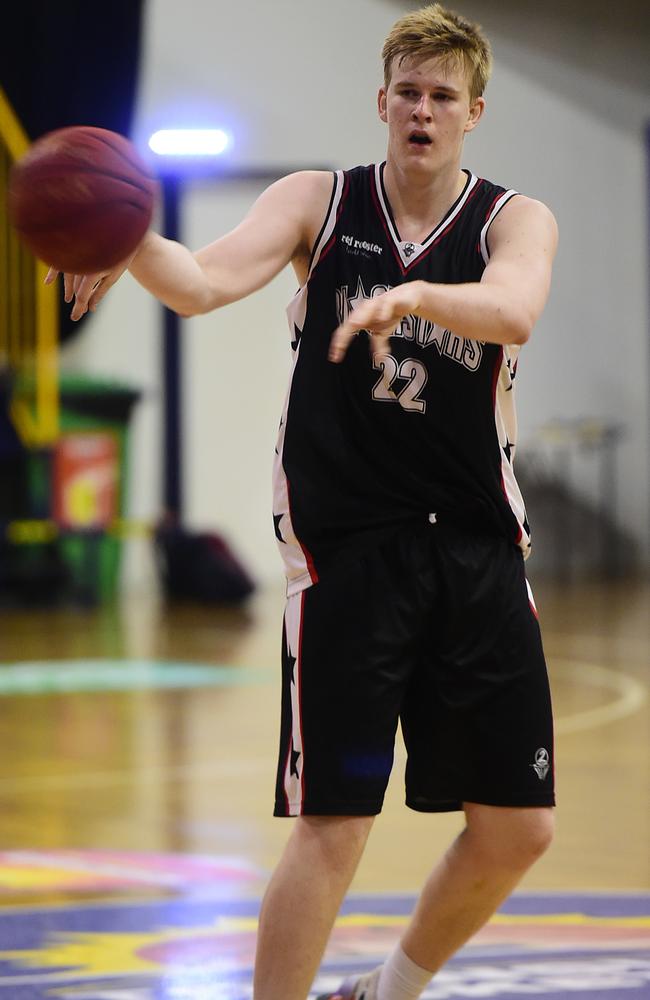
(172, 457)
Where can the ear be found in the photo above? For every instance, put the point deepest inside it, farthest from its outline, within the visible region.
(475, 114)
(381, 104)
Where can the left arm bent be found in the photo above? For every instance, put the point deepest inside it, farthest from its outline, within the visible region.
(501, 308)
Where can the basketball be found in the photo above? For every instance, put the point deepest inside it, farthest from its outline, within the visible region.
(81, 199)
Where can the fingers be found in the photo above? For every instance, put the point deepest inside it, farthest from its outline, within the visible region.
(380, 343)
(87, 290)
(345, 334)
(84, 289)
(380, 317)
(341, 339)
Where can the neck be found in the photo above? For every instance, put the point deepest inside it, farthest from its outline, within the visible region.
(419, 200)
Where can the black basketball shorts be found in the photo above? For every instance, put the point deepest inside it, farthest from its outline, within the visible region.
(436, 629)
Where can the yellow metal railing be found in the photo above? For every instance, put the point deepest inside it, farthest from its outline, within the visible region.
(28, 311)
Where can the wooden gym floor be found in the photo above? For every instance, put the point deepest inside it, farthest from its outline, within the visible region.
(163, 768)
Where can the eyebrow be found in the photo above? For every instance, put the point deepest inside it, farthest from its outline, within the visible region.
(436, 86)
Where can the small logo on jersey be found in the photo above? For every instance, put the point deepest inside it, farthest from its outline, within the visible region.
(361, 246)
(409, 249)
(542, 763)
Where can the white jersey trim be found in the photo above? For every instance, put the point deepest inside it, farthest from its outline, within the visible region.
(330, 221)
(505, 419)
(498, 205)
(415, 250)
(299, 572)
(505, 415)
(296, 564)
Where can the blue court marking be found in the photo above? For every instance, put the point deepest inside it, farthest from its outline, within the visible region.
(63, 676)
(555, 946)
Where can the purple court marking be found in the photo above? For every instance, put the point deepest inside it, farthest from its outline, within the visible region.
(555, 946)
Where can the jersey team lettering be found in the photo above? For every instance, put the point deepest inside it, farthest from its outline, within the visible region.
(422, 332)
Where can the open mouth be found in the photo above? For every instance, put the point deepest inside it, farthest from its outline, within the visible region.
(419, 139)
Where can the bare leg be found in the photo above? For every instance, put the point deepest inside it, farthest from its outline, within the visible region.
(302, 900)
(478, 872)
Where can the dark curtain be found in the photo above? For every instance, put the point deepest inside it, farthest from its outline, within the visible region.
(71, 63)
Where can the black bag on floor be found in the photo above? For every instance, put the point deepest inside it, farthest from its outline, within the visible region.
(200, 567)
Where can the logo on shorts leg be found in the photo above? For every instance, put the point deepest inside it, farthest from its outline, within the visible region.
(542, 763)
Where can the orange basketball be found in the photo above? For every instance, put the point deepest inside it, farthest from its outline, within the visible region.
(81, 199)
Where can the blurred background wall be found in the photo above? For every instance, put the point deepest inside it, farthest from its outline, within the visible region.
(295, 83)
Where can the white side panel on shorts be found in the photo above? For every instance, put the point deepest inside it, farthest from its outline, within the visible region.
(293, 771)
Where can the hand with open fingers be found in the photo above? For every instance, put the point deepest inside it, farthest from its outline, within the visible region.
(380, 316)
(87, 290)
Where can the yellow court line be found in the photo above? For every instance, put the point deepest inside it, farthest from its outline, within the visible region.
(232, 924)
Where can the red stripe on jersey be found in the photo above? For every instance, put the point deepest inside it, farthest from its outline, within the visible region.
(287, 759)
(345, 192)
(425, 253)
(382, 219)
(495, 382)
(326, 250)
(531, 600)
(331, 242)
(451, 225)
(290, 744)
(309, 559)
(302, 732)
(491, 208)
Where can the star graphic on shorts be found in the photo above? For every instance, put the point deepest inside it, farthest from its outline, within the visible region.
(291, 664)
(507, 449)
(276, 526)
(297, 333)
(295, 757)
(526, 525)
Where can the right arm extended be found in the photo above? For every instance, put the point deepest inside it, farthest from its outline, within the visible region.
(279, 228)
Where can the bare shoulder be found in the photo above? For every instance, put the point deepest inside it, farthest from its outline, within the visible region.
(302, 193)
(523, 218)
(306, 197)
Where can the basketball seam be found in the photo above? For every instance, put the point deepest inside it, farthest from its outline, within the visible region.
(136, 164)
(78, 168)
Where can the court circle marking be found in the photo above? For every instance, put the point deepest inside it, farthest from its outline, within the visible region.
(631, 694)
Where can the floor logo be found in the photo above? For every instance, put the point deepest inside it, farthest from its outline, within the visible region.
(560, 947)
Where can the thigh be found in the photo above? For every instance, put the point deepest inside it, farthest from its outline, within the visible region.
(348, 652)
(477, 718)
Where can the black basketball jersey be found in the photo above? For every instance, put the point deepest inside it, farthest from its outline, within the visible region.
(428, 432)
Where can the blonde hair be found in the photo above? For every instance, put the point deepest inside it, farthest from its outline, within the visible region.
(434, 31)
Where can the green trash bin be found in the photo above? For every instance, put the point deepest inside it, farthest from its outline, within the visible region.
(89, 481)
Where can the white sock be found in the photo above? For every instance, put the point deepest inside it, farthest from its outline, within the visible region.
(400, 978)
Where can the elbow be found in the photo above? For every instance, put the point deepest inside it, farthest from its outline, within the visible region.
(195, 306)
(520, 334)
(189, 311)
(518, 328)
(184, 311)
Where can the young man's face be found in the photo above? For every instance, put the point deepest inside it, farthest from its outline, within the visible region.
(428, 111)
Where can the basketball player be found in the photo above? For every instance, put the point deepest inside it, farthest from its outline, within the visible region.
(397, 512)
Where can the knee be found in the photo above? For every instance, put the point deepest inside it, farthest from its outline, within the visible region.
(334, 838)
(511, 838)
